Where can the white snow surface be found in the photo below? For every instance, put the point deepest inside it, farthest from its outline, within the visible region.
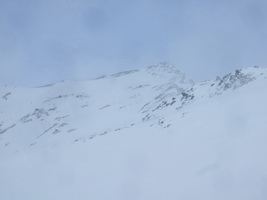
(147, 134)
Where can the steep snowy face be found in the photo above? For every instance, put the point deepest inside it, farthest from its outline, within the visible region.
(85, 109)
(172, 102)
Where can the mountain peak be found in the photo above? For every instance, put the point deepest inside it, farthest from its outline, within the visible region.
(163, 67)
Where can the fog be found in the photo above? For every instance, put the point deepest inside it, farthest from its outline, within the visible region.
(48, 41)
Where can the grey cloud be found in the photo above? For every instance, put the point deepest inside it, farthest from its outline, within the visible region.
(82, 39)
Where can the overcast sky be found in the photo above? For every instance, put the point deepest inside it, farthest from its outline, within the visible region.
(46, 41)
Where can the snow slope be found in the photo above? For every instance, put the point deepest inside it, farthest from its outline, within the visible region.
(147, 134)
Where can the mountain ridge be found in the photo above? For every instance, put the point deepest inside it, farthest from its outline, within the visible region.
(145, 93)
(146, 134)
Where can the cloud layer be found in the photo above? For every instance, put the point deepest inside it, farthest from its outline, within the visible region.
(47, 41)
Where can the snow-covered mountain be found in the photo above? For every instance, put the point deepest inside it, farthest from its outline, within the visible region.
(141, 134)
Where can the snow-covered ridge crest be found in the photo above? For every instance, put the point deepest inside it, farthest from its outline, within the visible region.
(229, 82)
(163, 70)
(74, 110)
(166, 69)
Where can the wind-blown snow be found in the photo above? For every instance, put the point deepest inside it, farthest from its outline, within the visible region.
(148, 134)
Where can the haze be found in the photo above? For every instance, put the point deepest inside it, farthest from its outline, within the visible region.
(42, 42)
